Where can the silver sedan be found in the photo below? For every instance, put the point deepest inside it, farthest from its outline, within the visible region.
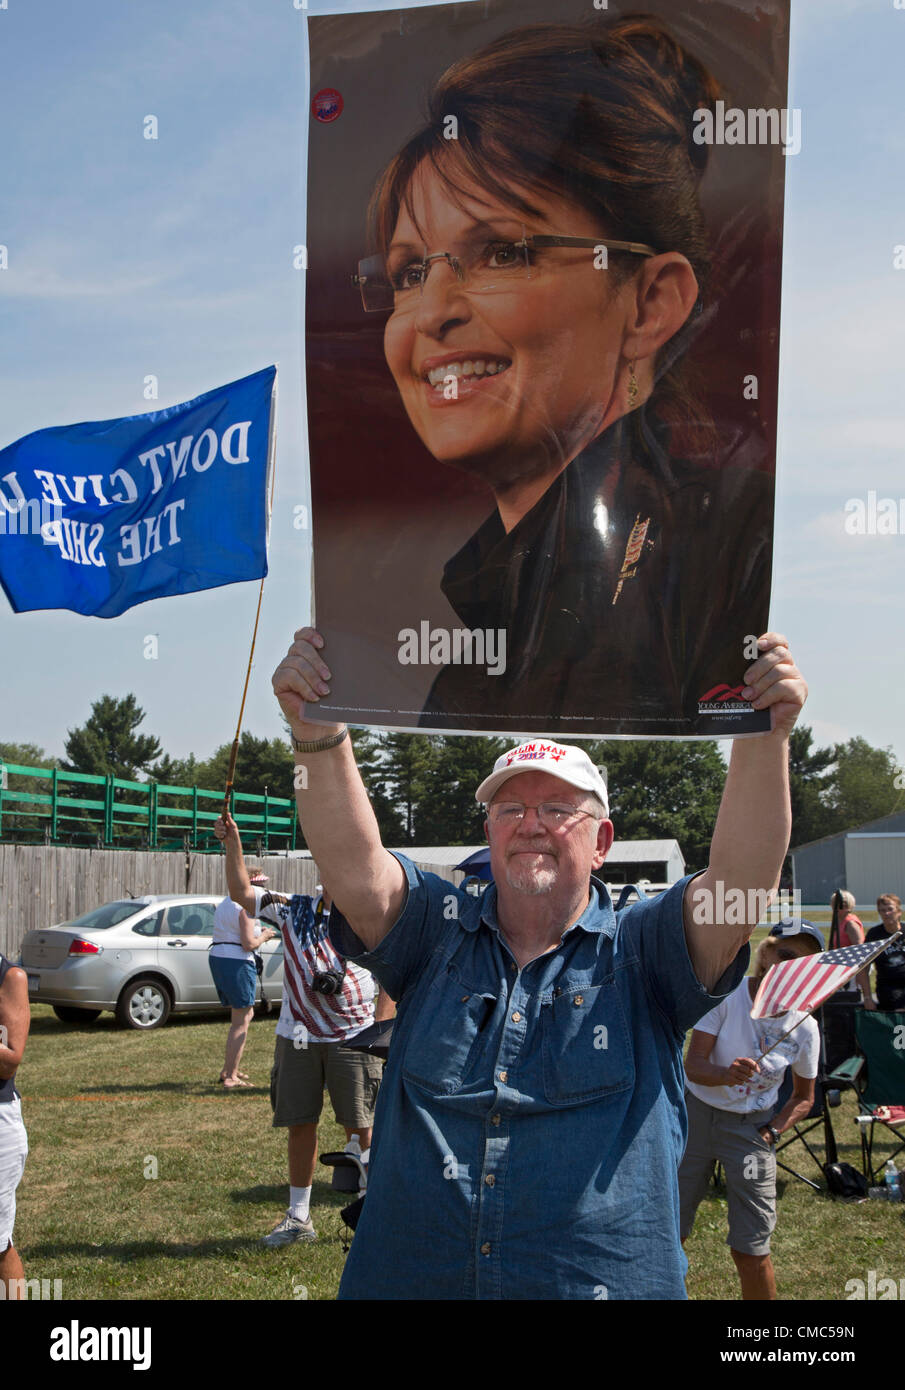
(142, 958)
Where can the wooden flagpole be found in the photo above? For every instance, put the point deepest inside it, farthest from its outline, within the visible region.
(271, 468)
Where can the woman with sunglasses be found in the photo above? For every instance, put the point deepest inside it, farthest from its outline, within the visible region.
(731, 1092)
(544, 272)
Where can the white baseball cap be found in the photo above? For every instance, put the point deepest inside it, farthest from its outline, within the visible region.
(569, 764)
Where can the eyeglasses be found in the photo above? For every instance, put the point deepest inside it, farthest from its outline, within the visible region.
(395, 284)
(549, 813)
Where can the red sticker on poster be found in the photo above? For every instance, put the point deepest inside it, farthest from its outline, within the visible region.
(326, 105)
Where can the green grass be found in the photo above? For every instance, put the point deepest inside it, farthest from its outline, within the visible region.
(99, 1101)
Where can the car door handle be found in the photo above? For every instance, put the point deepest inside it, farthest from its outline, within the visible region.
(175, 943)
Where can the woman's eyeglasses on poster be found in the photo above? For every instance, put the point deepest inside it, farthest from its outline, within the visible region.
(395, 283)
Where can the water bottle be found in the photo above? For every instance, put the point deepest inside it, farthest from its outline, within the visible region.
(893, 1182)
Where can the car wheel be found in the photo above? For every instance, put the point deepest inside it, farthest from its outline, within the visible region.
(143, 1004)
(68, 1014)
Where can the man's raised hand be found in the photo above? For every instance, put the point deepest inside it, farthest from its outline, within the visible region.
(225, 827)
(301, 679)
(774, 682)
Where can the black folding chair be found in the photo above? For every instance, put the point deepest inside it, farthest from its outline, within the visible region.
(835, 1023)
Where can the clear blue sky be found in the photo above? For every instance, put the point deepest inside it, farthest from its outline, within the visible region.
(130, 257)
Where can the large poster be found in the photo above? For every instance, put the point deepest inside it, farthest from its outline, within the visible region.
(542, 346)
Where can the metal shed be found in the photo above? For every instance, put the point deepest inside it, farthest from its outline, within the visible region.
(867, 860)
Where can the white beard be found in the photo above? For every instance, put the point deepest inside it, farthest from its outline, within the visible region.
(528, 879)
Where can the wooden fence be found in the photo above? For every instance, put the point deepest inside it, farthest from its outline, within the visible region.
(41, 885)
(44, 884)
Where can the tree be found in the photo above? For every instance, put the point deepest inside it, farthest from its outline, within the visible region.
(108, 743)
(260, 763)
(663, 791)
(26, 755)
(449, 814)
(368, 748)
(863, 784)
(809, 780)
(179, 772)
(404, 776)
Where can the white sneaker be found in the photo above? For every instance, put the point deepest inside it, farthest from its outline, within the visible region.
(288, 1231)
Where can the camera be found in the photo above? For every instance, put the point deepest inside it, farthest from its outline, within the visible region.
(328, 981)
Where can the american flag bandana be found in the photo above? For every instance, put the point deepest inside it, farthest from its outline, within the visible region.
(805, 983)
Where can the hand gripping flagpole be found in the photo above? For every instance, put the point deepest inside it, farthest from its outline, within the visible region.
(806, 1013)
(271, 469)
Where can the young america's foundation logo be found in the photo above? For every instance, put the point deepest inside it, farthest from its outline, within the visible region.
(722, 699)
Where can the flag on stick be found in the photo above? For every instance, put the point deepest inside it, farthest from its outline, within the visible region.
(99, 516)
(804, 984)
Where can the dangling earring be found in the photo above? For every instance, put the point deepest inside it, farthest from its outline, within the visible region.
(632, 387)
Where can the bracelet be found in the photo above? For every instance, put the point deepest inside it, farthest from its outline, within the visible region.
(322, 744)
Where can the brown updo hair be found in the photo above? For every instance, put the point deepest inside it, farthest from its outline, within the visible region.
(602, 116)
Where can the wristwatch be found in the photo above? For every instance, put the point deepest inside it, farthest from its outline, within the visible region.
(775, 1133)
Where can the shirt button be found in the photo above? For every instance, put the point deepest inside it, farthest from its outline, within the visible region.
(516, 1017)
(494, 1119)
(578, 1000)
(485, 1248)
(504, 1076)
(489, 1180)
(465, 998)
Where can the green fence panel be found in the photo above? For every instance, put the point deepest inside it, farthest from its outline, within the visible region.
(109, 817)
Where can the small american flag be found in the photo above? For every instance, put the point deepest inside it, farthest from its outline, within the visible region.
(803, 984)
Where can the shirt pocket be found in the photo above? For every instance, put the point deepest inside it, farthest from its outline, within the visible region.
(586, 1048)
(449, 1035)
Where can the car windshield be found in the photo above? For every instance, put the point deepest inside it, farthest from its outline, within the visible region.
(110, 915)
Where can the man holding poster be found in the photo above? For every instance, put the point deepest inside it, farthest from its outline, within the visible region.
(543, 263)
(531, 1118)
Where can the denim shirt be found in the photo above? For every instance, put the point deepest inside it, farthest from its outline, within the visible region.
(531, 1121)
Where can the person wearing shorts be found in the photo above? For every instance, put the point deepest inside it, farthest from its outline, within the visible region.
(731, 1093)
(232, 966)
(14, 1022)
(326, 1003)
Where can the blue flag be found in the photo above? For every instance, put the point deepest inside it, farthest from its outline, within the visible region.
(100, 516)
